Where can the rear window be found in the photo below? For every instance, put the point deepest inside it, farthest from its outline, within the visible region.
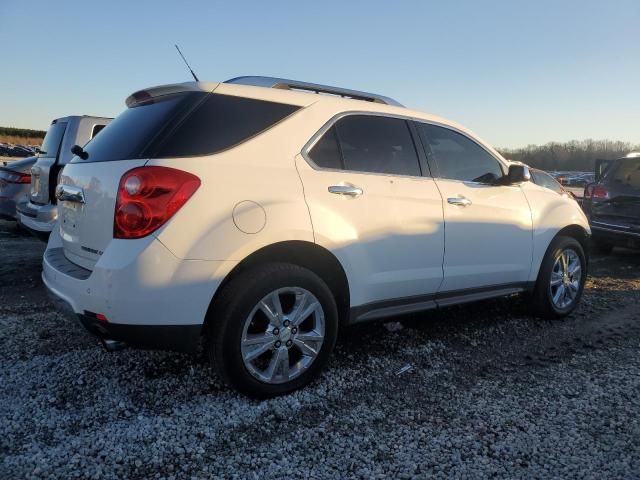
(624, 174)
(184, 124)
(52, 140)
(134, 130)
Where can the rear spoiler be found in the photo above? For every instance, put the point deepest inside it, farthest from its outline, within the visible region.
(147, 94)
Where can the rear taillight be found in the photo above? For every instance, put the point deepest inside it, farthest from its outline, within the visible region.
(10, 176)
(148, 197)
(598, 192)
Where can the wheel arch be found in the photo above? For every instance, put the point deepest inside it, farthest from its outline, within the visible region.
(298, 252)
(579, 233)
(575, 231)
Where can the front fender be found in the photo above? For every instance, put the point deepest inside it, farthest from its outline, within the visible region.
(550, 213)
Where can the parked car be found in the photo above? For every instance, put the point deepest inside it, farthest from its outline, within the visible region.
(39, 213)
(612, 203)
(21, 151)
(263, 218)
(15, 182)
(4, 150)
(542, 178)
(545, 179)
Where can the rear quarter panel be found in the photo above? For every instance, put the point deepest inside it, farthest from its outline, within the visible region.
(550, 213)
(259, 180)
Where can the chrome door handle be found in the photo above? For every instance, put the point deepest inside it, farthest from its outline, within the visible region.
(67, 193)
(348, 190)
(459, 201)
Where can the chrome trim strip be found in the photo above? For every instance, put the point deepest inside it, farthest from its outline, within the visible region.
(623, 232)
(610, 225)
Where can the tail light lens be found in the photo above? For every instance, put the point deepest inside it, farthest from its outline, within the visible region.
(10, 176)
(148, 197)
(598, 192)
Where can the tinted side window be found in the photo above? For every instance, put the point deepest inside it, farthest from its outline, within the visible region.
(96, 130)
(221, 122)
(326, 153)
(53, 140)
(458, 157)
(377, 144)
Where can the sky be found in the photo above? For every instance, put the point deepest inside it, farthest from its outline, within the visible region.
(516, 72)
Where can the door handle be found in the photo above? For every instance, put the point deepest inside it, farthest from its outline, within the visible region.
(348, 190)
(67, 193)
(459, 201)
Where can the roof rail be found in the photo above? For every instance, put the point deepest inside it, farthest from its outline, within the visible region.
(284, 84)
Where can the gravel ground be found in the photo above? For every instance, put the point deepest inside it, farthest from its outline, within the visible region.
(490, 392)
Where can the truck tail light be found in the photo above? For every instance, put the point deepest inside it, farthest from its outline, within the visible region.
(598, 192)
(148, 197)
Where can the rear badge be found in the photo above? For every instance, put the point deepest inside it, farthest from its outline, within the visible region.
(91, 250)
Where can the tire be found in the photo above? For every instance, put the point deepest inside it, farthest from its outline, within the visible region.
(602, 246)
(240, 319)
(544, 296)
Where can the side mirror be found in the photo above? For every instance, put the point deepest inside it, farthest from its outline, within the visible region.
(518, 174)
(78, 151)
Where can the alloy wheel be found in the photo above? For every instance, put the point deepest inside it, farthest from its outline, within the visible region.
(283, 335)
(565, 278)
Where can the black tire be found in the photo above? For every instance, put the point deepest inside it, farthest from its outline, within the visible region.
(542, 301)
(602, 246)
(236, 303)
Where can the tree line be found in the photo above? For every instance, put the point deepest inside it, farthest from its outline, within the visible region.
(21, 132)
(574, 155)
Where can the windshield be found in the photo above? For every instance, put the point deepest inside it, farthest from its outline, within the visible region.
(52, 140)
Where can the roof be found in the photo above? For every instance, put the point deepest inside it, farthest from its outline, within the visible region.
(286, 84)
(304, 94)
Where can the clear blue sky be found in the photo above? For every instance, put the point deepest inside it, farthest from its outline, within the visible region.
(516, 72)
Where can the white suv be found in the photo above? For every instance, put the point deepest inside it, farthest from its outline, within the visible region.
(263, 215)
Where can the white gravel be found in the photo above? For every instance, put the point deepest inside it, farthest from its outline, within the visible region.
(489, 394)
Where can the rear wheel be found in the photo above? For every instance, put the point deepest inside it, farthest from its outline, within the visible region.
(561, 278)
(274, 329)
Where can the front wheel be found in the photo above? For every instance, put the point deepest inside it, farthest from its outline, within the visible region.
(274, 328)
(561, 279)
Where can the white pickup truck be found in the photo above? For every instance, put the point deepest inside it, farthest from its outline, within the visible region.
(40, 213)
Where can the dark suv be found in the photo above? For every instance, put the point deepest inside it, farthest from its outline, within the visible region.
(612, 204)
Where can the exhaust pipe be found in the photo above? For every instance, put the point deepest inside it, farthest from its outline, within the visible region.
(111, 345)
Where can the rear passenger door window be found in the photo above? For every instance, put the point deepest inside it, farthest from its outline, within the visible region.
(367, 143)
(457, 157)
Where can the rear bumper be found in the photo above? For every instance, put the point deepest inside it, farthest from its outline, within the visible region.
(40, 219)
(10, 195)
(149, 297)
(180, 338)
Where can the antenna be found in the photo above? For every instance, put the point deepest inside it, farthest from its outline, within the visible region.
(186, 63)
